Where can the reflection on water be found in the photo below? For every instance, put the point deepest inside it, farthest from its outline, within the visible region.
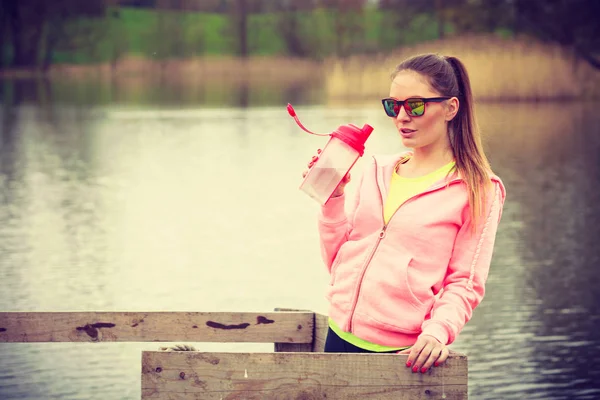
(198, 209)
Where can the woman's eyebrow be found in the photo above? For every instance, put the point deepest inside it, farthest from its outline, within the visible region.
(409, 97)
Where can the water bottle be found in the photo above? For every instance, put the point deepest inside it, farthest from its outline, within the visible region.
(346, 144)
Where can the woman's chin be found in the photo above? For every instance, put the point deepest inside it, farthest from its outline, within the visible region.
(408, 141)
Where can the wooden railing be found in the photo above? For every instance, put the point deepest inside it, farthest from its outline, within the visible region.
(297, 369)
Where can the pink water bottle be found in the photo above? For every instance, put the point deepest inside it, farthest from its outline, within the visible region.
(346, 144)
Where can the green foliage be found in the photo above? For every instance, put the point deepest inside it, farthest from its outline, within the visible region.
(138, 26)
(74, 31)
(372, 21)
(149, 32)
(317, 30)
(422, 27)
(193, 35)
(263, 36)
(82, 41)
(214, 30)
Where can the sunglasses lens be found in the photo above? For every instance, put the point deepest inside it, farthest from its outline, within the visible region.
(417, 107)
(391, 108)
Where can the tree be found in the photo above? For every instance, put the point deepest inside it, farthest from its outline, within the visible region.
(288, 26)
(168, 32)
(118, 39)
(398, 15)
(348, 25)
(572, 23)
(238, 14)
(31, 24)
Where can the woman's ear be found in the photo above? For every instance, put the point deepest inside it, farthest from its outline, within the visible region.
(452, 108)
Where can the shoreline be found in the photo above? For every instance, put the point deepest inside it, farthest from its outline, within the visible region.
(132, 66)
(501, 71)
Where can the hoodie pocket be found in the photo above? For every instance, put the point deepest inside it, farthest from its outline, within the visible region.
(387, 297)
(416, 301)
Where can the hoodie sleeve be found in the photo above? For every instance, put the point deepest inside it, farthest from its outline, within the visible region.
(335, 225)
(464, 284)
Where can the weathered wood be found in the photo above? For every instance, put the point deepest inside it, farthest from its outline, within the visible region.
(293, 347)
(291, 327)
(321, 325)
(265, 376)
(320, 332)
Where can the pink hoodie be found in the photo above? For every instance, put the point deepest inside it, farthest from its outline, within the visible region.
(386, 281)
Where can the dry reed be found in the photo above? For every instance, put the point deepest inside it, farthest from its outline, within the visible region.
(500, 69)
(278, 70)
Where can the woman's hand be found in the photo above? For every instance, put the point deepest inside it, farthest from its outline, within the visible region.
(427, 351)
(340, 189)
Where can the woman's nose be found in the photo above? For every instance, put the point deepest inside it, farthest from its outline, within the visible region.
(402, 115)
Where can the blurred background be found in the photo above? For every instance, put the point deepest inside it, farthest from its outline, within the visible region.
(147, 163)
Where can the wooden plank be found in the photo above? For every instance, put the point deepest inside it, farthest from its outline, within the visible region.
(293, 327)
(266, 376)
(293, 347)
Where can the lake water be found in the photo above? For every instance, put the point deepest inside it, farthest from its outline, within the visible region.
(162, 203)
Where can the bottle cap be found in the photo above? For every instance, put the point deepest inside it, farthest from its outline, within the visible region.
(354, 136)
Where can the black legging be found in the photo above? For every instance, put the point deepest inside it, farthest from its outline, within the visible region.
(335, 344)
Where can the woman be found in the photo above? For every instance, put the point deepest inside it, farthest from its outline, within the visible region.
(409, 262)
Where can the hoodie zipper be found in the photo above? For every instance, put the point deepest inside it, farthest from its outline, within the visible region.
(382, 233)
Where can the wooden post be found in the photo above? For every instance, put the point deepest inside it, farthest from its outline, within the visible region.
(265, 376)
(295, 347)
(319, 334)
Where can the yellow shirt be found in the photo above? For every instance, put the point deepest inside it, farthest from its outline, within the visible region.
(401, 189)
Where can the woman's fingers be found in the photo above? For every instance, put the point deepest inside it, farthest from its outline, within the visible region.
(443, 357)
(415, 350)
(423, 358)
(435, 354)
(313, 161)
(427, 351)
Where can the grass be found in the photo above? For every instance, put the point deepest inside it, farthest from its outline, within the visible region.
(500, 70)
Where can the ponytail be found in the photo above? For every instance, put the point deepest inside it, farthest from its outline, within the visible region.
(465, 139)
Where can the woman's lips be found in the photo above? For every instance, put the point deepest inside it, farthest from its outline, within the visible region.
(407, 132)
